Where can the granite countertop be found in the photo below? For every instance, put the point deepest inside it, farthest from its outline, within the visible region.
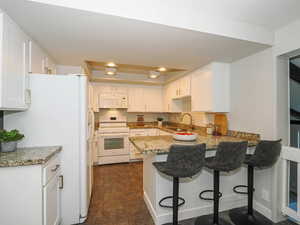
(28, 156)
(161, 144)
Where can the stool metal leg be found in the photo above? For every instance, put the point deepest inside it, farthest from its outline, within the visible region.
(246, 215)
(250, 189)
(175, 200)
(213, 219)
(216, 196)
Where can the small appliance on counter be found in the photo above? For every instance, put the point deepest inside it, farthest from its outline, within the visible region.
(140, 120)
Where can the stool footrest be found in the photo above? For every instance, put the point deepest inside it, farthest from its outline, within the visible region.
(206, 191)
(241, 192)
(181, 201)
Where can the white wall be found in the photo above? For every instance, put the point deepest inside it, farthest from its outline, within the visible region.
(65, 69)
(253, 94)
(253, 99)
(287, 38)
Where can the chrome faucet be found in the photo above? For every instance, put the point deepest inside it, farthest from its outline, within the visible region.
(191, 118)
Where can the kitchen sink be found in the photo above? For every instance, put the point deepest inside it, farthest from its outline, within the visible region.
(176, 129)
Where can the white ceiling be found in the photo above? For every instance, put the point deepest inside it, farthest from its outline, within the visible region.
(271, 14)
(71, 36)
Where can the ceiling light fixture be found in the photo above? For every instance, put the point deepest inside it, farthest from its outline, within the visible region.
(110, 71)
(154, 74)
(162, 69)
(111, 64)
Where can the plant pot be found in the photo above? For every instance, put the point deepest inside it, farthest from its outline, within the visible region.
(9, 146)
(159, 123)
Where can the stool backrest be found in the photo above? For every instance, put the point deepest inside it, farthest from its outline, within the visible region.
(266, 153)
(231, 155)
(187, 157)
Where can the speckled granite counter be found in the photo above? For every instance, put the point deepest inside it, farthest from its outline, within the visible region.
(161, 144)
(28, 156)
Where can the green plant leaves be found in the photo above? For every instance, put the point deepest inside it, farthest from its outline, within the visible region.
(8, 136)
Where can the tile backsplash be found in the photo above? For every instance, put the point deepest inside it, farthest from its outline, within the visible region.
(131, 117)
(199, 118)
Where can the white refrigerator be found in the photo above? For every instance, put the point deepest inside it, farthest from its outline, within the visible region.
(59, 115)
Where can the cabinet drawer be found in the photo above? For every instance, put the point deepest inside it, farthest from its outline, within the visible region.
(50, 169)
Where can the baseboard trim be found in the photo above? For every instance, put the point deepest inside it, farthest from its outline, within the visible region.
(263, 210)
(150, 208)
(229, 202)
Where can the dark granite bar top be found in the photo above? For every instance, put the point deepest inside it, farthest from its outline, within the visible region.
(161, 144)
(28, 156)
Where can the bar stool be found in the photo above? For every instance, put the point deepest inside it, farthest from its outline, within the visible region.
(182, 161)
(229, 156)
(266, 154)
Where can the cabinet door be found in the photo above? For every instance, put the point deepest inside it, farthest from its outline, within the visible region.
(15, 66)
(174, 89)
(202, 96)
(52, 199)
(136, 100)
(153, 99)
(185, 86)
(166, 98)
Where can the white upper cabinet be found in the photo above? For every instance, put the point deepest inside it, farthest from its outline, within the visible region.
(181, 87)
(169, 103)
(14, 93)
(145, 99)
(210, 88)
(136, 100)
(153, 99)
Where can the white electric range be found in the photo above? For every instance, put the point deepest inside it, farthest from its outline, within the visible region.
(113, 136)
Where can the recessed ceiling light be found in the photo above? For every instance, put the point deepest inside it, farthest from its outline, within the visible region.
(110, 71)
(111, 64)
(154, 74)
(162, 69)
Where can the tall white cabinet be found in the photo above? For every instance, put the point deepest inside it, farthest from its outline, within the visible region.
(14, 50)
(210, 88)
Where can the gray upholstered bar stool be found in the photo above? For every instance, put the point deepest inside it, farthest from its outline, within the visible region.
(182, 161)
(229, 157)
(266, 154)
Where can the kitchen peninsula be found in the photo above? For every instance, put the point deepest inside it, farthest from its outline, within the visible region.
(157, 186)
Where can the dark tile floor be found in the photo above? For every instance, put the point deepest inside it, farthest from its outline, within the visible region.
(118, 197)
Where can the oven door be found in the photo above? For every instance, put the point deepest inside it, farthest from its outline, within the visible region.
(113, 144)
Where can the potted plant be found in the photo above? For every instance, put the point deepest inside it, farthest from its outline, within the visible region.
(160, 121)
(9, 140)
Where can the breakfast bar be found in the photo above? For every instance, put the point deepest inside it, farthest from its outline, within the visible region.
(157, 185)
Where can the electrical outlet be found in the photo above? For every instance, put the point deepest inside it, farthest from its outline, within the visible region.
(265, 195)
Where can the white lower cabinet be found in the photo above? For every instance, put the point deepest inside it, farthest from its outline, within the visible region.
(31, 195)
(52, 201)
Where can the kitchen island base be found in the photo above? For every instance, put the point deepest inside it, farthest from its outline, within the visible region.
(157, 186)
